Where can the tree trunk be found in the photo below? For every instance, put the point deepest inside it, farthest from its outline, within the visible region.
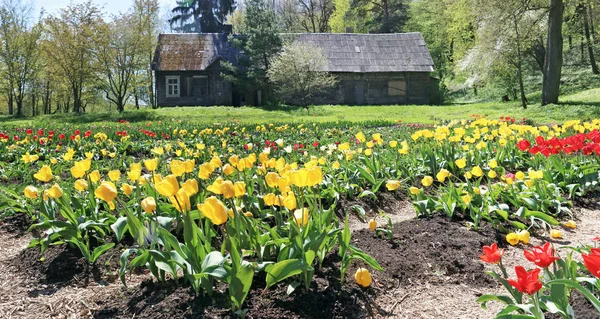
(553, 61)
(10, 103)
(136, 98)
(588, 39)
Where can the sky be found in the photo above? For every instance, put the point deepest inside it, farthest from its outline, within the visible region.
(110, 6)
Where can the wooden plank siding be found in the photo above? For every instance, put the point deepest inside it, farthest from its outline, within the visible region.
(217, 91)
(378, 89)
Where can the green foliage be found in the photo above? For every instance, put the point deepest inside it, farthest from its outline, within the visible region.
(260, 41)
(297, 73)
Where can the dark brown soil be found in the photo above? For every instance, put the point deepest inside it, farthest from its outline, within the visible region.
(590, 201)
(62, 266)
(582, 308)
(326, 299)
(16, 224)
(385, 202)
(433, 250)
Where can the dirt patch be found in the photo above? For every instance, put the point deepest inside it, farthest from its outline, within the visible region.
(395, 208)
(62, 266)
(16, 224)
(433, 251)
(582, 308)
(327, 298)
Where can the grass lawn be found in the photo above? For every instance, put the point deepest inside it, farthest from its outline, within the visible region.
(581, 105)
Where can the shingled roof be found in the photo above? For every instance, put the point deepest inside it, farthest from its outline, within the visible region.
(366, 53)
(345, 52)
(191, 51)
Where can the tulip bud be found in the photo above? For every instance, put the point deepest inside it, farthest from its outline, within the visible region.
(372, 224)
(148, 204)
(363, 277)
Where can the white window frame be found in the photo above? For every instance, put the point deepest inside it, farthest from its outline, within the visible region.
(177, 85)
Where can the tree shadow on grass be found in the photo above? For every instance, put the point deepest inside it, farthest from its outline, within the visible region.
(84, 118)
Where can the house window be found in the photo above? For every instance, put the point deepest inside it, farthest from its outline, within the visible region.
(397, 88)
(172, 86)
(200, 85)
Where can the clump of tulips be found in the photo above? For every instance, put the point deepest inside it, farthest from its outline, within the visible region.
(547, 287)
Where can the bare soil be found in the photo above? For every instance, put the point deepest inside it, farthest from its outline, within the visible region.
(432, 270)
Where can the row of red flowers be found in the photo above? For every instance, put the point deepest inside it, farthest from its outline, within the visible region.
(587, 144)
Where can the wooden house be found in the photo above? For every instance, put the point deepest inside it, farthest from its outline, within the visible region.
(370, 68)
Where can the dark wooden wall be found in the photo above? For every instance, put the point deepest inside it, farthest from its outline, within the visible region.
(373, 88)
(218, 91)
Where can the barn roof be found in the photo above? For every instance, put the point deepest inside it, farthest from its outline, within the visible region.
(345, 52)
(190, 51)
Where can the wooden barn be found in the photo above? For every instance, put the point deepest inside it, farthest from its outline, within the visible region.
(370, 68)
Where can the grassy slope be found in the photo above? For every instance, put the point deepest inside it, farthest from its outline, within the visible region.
(581, 105)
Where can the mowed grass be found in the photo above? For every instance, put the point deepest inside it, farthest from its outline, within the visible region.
(581, 105)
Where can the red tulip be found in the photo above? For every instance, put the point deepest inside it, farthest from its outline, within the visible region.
(523, 145)
(592, 261)
(527, 281)
(491, 254)
(542, 256)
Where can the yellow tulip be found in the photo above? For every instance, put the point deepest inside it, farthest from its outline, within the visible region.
(335, 165)
(168, 186)
(151, 164)
(290, 201)
(442, 175)
(492, 174)
(181, 201)
(571, 224)
(135, 167)
(301, 216)
(476, 171)
(272, 179)
(461, 162)
(148, 204)
(372, 224)
(189, 165)
(248, 214)
(55, 191)
(94, 176)
(361, 137)
(520, 175)
(523, 236)
(77, 172)
(363, 277)
(555, 233)
(392, 185)
(81, 185)
(512, 239)
(213, 209)
(205, 170)
(234, 160)
(466, 199)
(227, 189)
(85, 164)
(216, 162)
(228, 169)
(177, 167)
(106, 191)
(114, 175)
(315, 176)
(127, 189)
(134, 175)
(240, 189)
(427, 181)
(31, 192)
(414, 190)
(216, 186)
(191, 187)
(493, 164)
(44, 174)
